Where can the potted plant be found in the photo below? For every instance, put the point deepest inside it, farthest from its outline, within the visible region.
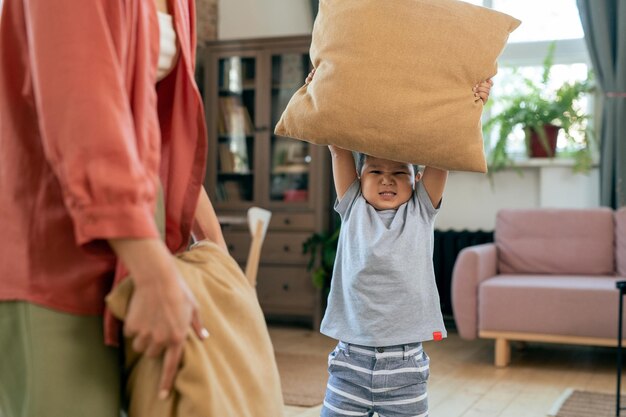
(324, 246)
(541, 112)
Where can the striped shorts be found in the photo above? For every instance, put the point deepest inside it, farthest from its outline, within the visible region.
(364, 380)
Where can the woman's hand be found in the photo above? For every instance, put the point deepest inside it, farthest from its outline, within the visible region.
(162, 309)
(482, 90)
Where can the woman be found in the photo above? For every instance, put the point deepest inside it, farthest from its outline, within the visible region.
(98, 107)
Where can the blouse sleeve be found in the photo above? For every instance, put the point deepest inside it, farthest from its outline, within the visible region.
(85, 119)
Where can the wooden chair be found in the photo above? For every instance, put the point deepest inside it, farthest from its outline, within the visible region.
(258, 221)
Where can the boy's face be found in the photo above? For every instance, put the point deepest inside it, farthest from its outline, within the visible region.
(387, 184)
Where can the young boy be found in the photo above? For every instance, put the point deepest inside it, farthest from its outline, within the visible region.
(383, 301)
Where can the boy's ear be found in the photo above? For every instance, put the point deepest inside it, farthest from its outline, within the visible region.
(358, 174)
(418, 176)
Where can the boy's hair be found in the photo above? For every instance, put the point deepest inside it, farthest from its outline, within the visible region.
(360, 163)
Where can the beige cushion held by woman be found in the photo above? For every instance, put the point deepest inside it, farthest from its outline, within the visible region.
(231, 373)
(394, 79)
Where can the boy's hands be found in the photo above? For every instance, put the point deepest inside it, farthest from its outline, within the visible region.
(482, 90)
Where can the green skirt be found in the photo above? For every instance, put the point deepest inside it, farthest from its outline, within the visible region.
(55, 364)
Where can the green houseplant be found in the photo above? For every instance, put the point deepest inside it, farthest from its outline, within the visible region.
(541, 111)
(322, 246)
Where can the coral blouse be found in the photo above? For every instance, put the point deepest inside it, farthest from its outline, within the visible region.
(84, 138)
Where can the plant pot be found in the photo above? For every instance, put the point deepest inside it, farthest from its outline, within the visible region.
(539, 148)
(295, 195)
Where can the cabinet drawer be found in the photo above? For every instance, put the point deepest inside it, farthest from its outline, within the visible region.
(238, 244)
(284, 248)
(281, 248)
(292, 221)
(286, 290)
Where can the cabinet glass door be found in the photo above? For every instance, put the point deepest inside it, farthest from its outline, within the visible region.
(235, 129)
(290, 160)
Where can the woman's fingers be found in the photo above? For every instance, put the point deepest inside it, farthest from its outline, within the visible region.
(171, 361)
(140, 343)
(154, 349)
(197, 326)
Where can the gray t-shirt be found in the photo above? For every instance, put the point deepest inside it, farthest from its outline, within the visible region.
(383, 290)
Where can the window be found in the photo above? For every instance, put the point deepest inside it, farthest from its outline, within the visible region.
(543, 22)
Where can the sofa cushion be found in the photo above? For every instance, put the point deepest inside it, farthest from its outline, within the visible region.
(394, 79)
(555, 305)
(620, 244)
(555, 241)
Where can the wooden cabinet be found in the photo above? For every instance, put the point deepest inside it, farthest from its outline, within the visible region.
(246, 86)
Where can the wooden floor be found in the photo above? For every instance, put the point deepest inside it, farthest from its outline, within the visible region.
(464, 382)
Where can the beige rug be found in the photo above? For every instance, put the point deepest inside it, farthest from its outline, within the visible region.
(575, 403)
(303, 378)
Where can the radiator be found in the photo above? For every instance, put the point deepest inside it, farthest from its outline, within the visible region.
(447, 246)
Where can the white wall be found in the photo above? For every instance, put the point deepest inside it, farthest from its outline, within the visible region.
(240, 19)
(472, 202)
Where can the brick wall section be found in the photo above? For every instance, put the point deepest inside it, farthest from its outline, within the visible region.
(206, 20)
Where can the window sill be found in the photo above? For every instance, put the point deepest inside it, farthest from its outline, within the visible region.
(545, 163)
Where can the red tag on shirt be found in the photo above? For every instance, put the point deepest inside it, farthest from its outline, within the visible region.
(437, 336)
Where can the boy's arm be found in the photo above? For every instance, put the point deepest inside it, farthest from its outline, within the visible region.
(344, 169)
(434, 181)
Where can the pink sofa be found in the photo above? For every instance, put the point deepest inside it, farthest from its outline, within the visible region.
(549, 277)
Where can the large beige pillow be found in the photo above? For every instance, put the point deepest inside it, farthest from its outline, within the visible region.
(394, 79)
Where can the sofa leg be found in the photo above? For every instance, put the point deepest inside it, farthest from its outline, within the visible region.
(503, 353)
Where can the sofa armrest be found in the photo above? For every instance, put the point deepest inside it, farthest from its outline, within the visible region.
(473, 265)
